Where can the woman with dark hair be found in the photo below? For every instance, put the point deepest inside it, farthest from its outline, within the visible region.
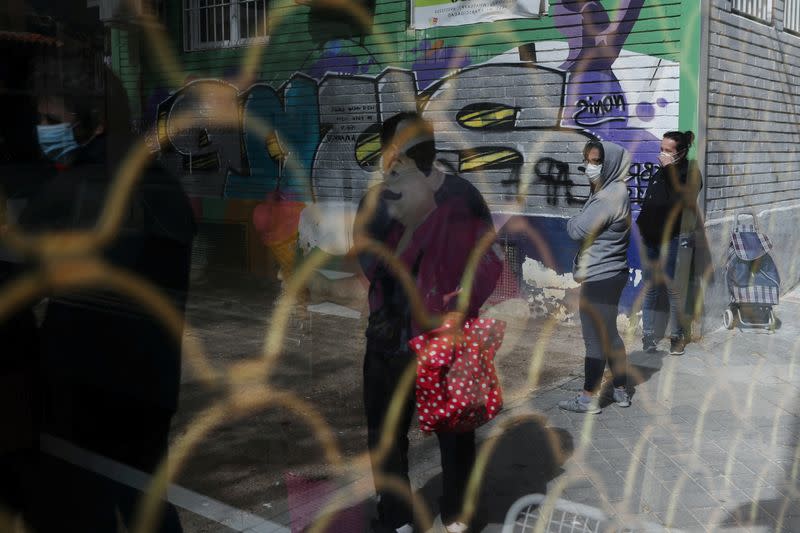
(603, 227)
(671, 192)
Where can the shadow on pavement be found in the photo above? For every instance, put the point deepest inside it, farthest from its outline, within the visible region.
(779, 513)
(768, 514)
(641, 367)
(527, 456)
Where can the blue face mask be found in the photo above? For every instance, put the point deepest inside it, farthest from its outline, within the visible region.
(56, 140)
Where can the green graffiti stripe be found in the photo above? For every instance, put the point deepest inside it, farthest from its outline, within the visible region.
(274, 147)
(487, 160)
(203, 161)
(428, 3)
(368, 149)
(488, 118)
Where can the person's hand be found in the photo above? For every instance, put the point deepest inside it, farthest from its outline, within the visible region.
(447, 298)
(456, 318)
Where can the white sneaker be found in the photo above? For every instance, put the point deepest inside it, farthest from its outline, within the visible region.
(456, 527)
(405, 528)
(621, 397)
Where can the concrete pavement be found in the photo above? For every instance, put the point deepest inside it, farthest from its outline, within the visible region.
(709, 442)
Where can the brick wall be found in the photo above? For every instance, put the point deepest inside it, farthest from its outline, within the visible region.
(753, 136)
(754, 107)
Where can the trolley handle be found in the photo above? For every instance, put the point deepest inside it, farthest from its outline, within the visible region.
(751, 214)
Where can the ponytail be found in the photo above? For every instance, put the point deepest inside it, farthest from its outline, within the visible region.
(683, 140)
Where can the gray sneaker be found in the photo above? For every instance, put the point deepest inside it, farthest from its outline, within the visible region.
(577, 406)
(649, 344)
(677, 346)
(621, 397)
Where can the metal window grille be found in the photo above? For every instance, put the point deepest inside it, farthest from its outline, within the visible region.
(791, 16)
(224, 23)
(757, 9)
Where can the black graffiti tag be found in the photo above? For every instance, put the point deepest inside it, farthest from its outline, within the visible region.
(556, 175)
(600, 111)
(640, 174)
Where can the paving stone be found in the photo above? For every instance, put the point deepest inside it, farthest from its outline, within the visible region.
(668, 474)
(748, 516)
(656, 496)
(653, 459)
(712, 518)
(606, 443)
(690, 492)
(699, 454)
(622, 459)
(679, 518)
(634, 520)
(736, 468)
(731, 497)
(749, 484)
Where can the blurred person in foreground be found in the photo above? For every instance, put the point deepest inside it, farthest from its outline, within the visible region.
(431, 221)
(110, 369)
(19, 394)
(603, 227)
(668, 212)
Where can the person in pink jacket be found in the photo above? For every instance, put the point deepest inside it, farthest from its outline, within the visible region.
(431, 221)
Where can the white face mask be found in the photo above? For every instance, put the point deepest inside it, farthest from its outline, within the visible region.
(666, 159)
(593, 172)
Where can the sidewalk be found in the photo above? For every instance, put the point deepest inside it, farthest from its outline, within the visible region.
(708, 443)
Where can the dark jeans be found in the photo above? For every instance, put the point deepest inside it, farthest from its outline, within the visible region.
(110, 425)
(659, 272)
(599, 301)
(382, 374)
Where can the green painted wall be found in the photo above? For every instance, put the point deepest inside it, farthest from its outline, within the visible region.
(657, 32)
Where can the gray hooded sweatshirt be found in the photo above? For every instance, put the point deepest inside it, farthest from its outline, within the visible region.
(603, 226)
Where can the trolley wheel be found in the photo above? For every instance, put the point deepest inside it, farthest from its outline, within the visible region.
(727, 319)
(774, 323)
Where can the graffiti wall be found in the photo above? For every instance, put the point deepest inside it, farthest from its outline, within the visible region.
(513, 122)
(505, 124)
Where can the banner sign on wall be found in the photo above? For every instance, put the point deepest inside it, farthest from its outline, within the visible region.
(436, 13)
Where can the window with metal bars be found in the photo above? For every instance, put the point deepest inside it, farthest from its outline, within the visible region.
(760, 10)
(224, 23)
(791, 16)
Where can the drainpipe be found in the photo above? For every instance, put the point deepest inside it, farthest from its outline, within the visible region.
(703, 89)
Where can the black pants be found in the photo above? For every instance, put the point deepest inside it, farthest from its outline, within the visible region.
(599, 301)
(382, 374)
(112, 426)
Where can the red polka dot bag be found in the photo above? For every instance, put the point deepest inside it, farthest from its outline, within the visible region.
(457, 386)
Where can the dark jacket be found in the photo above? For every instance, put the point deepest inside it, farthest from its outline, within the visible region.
(98, 337)
(672, 189)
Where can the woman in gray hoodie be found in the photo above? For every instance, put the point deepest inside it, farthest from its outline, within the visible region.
(603, 227)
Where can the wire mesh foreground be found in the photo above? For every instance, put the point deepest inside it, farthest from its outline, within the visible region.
(535, 512)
